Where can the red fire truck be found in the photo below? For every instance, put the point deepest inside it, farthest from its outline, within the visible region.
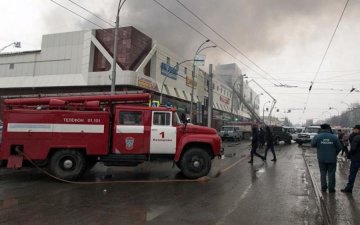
(69, 134)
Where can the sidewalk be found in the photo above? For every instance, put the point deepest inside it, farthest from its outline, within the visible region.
(342, 208)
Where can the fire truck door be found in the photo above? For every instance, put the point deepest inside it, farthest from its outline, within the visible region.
(129, 135)
(163, 134)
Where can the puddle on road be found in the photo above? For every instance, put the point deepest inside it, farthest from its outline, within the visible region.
(259, 172)
(155, 212)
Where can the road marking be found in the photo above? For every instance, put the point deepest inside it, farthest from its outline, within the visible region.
(220, 172)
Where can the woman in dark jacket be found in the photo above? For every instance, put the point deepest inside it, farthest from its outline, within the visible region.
(269, 143)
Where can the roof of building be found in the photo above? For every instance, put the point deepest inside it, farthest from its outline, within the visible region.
(19, 53)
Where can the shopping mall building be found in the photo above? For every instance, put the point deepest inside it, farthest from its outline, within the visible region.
(81, 62)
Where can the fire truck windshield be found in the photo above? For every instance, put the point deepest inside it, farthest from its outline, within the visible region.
(176, 120)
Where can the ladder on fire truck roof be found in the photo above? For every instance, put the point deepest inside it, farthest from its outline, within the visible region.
(85, 99)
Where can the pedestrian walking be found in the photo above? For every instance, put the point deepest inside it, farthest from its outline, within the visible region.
(269, 143)
(261, 138)
(354, 156)
(328, 147)
(255, 145)
(345, 142)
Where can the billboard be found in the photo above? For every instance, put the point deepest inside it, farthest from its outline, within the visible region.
(169, 71)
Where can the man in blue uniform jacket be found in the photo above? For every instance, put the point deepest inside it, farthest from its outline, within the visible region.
(328, 146)
(354, 155)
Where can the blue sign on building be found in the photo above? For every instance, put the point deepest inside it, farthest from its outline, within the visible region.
(169, 71)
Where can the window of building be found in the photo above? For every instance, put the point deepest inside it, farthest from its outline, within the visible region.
(177, 93)
(130, 118)
(167, 89)
(161, 118)
(217, 106)
(11, 66)
(168, 60)
(185, 70)
(185, 95)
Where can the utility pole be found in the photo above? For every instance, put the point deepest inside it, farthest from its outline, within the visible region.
(210, 96)
(116, 42)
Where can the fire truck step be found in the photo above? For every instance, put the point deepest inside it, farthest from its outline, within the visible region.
(15, 161)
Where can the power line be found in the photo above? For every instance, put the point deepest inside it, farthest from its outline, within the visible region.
(194, 29)
(323, 58)
(222, 37)
(327, 49)
(80, 6)
(76, 14)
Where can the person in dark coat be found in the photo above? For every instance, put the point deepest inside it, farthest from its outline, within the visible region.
(255, 145)
(261, 138)
(328, 147)
(354, 156)
(345, 141)
(269, 143)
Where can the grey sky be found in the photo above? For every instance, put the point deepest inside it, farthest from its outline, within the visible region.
(286, 38)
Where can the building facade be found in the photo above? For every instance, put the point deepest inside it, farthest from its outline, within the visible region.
(81, 62)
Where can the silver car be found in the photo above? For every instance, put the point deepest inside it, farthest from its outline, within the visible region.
(231, 133)
(307, 135)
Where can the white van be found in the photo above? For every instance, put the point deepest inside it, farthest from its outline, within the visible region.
(307, 135)
(231, 132)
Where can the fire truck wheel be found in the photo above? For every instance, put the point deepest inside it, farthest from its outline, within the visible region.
(68, 164)
(195, 163)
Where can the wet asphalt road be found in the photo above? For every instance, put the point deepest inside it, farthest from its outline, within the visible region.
(342, 208)
(261, 193)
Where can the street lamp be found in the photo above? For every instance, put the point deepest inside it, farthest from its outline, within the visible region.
(17, 44)
(274, 100)
(172, 70)
(193, 75)
(116, 42)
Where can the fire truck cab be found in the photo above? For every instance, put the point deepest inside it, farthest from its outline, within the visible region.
(70, 134)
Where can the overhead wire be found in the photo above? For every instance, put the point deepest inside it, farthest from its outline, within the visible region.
(228, 42)
(87, 10)
(64, 7)
(203, 35)
(326, 51)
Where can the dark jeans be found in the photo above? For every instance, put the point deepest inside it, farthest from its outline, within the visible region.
(344, 150)
(253, 152)
(354, 167)
(271, 147)
(328, 169)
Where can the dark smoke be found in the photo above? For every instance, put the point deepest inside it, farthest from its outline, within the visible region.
(259, 28)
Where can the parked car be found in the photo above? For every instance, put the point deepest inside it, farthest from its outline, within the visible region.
(307, 135)
(281, 134)
(292, 132)
(230, 132)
